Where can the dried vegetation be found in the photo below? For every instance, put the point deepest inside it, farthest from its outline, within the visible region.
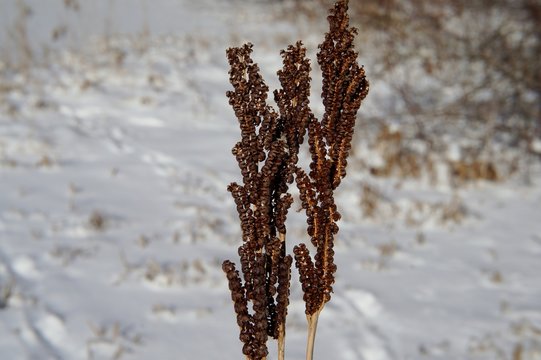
(459, 73)
(267, 155)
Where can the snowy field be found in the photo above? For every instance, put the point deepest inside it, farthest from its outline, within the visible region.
(115, 219)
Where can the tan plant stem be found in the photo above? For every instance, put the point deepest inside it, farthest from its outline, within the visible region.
(281, 342)
(312, 327)
(282, 327)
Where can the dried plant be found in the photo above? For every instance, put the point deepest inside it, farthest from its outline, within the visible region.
(479, 64)
(23, 55)
(398, 159)
(267, 155)
(463, 171)
(344, 88)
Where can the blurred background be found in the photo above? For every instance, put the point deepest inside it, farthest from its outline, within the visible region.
(115, 138)
(440, 68)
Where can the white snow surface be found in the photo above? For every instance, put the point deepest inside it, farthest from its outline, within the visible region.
(115, 219)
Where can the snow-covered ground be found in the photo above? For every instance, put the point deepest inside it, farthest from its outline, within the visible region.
(114, 218)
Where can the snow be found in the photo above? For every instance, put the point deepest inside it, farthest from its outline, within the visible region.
(114, 214)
